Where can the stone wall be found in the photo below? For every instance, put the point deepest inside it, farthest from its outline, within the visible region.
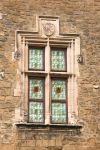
(76, 16)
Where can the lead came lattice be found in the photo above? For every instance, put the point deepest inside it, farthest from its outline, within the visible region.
(36, 58)
(58, 90)
(58, 60)
(58, 112)
(58, 101)
(36, 112)
(36, 89)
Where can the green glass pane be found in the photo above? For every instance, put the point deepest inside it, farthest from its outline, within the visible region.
(58, 90)
(36, 58)
(36, 89)
(58, 60)
(35, 112)
(58, 113)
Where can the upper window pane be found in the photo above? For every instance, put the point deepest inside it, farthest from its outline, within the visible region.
(58, 62)
(58, 90)
(36, 58)
(36, 89)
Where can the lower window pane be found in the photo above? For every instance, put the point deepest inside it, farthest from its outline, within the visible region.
(36, 112)
(58, 113)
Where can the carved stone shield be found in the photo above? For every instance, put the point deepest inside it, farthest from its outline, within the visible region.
(49, 29)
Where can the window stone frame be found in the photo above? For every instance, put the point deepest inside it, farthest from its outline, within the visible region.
(71, 42)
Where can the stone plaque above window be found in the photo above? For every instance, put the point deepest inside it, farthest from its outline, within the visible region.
(49, 26)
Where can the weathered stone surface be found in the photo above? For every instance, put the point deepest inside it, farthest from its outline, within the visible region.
(7, 146)
(77, 147)
(76, 16)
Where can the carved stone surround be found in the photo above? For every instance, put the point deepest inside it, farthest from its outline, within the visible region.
(47, 35)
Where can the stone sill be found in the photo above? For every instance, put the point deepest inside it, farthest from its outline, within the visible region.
(50, 127)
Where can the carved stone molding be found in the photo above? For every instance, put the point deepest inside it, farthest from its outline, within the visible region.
(49, 28)
(47, 31)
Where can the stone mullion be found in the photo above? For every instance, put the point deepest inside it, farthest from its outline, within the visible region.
(76, 98)
(47, 84)
(74, 112)
(26, 84)
(73, 78)
(73, 97)
(71, 82)
(47, 99)
(68, 59)
(72, 57)
(23, 78)
(69, 98)
(77, 52)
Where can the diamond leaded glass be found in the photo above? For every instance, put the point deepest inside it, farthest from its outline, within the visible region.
(58, 113)
(58, 60)
(36, 89)
(36, 112)
(58, 90)
(36, 58)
